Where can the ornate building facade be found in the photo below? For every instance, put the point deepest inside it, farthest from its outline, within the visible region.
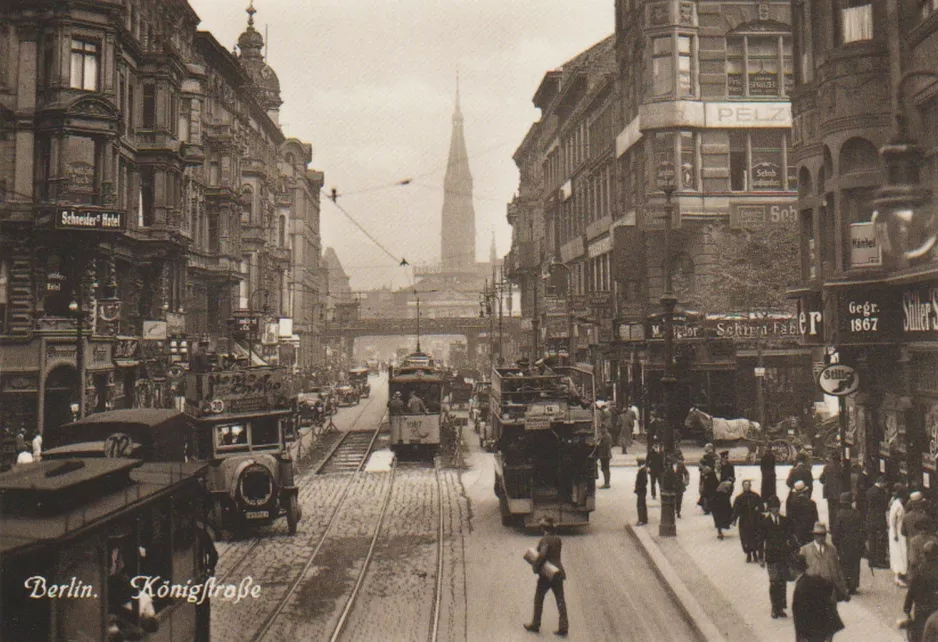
(127, 139)
(859, 66)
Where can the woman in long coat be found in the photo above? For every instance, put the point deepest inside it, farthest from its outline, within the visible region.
(721, 508)
(898, 545)
(747, 512)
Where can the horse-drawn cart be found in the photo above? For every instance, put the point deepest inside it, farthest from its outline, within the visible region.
(739, 432)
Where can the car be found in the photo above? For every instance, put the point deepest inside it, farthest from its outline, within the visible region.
(347, 396)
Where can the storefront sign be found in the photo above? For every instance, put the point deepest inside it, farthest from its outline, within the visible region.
(766, 175)
(750, 328)
(868, 316)
(238, 391)
(864, 250)
(154, 330)
(106, 221)
(774, 114)
(664, 174)
(839, 380)
(763, 84)
(810, 319)
(247, 324)
(920, 311)
(755, 214)
(630, 331)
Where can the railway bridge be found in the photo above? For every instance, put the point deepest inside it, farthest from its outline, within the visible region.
(475, 329)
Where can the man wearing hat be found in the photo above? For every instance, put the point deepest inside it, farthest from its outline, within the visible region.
(778, 541)
(802, 510)
(641, 491)
(396, 405)
(548, 550)
(603, 452)
(923, 593)
(767, 468)
(819, 589)
(850, 539)
(801, 471)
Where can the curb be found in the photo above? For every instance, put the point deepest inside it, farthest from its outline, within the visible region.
(693, 612)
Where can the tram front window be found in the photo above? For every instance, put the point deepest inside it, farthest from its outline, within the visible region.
(231, 435)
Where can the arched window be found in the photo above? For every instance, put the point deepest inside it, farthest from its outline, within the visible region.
(805, 186)
(858, 155)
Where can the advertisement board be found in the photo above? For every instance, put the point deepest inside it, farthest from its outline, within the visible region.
(864, 249)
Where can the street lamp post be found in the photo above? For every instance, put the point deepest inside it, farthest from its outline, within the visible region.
(77, 307)
(668, 526)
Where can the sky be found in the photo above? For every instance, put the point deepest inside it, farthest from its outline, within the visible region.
(371, 86)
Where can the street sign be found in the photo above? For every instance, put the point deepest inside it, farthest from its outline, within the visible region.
(839, 380)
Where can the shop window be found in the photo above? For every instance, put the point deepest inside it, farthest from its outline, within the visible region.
(855, 21)
(84, 67)
(767, 169)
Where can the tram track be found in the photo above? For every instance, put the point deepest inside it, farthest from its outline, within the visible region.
(341, 626)
(251, 545)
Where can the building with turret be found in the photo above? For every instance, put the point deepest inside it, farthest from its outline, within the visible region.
(147, 198)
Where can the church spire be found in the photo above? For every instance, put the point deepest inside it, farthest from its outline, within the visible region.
(458, 229)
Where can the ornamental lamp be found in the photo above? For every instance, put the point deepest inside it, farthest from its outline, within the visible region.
(905, 225)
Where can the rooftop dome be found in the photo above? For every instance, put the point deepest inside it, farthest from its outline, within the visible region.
(265, 79)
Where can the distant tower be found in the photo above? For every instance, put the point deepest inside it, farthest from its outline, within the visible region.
(459, 219)
(493, 253)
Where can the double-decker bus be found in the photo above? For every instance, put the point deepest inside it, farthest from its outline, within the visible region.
(543, 431)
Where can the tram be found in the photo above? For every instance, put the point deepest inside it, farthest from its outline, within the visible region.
(417, 415)
(543, 433)
(76, 531)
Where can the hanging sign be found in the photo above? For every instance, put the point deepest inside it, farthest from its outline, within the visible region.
(839, 380)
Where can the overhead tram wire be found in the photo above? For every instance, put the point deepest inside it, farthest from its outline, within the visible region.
(334, 197)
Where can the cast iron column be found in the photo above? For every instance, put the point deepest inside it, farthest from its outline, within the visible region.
(667, 526)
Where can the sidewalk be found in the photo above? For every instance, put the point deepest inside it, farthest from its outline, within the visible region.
(732, 596)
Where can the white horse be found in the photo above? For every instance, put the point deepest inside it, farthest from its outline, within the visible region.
(718, 429)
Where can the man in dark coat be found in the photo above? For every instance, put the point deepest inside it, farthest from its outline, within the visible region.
(861, 483)
(548, 550)
(655, 467)
(603, 452)
(876, 526)
(923, 593)
(778, 542)
(767, 466)
(681, 480)
(803, 512)
(747, 512)
(641, 492)
(833, 479)
(709, 482)
(801, 471)
(850, 539)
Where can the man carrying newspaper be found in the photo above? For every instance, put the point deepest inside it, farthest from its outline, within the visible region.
(550, 576)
